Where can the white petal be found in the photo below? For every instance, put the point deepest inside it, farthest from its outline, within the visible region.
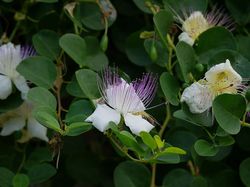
(137, 124)
(5, 86)
(21, 85)
(12, 125)
(10, 57)
(37, 130)
(230, 74)
(186, 38)
(198, 97)
(124, 98)
(195, 24)
(102, 115)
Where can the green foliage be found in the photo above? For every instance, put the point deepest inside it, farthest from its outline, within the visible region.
(228, 114)
(131, 174)
(75, 41)
(39, 70)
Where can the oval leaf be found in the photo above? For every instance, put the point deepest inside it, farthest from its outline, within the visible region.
(39, 70)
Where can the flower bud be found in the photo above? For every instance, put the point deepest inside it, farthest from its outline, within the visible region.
(104, 42)
(153, 53)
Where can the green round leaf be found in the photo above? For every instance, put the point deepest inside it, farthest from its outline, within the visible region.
(163, 21)
(170, 88)
(20, 180)
(204, 148)
(87, 80)
(79, 111)
(42, 97)
(177, 178)
(228, 109)
(77, 128)
(213, 40)
(75, 47)
(6, 177)
(46, 43)
(245, 172)
(186, 58)
(131, 174)
(74, 89)
(39, 70)
(41, 172)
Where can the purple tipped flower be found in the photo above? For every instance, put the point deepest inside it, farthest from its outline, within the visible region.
(125, 99)
(10, 57)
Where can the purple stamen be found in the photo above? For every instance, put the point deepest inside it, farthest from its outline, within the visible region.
(27, 51)
(145, 88)
(218, 17)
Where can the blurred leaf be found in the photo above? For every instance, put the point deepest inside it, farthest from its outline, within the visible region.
(47, 1)
(39, 155)
(92, 14)
(136, 51)
(183, 139)
(42, 97)
(6, 177)
(185, 6)
(243, 44)
(239, 11)
(39, 70)
(177, 178)
(148, 140)
(20, 180)
(131, 174)
(199, 181)
(46, 43)
(77, 128)
(141, 4)
(79, 111)
(170, 88)
(95, 57)
(202, 119)
(163, 21)
(212, 41)
(186, 58)
(245, 172)
(75, 47)
(12, 102)
(204, 148)
(41, 172)
(228, 109)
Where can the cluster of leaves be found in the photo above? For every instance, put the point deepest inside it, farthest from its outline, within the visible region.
(74, 41)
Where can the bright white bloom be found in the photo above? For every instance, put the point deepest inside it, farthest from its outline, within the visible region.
(221, 78)
(196, 23)
(126, 99)
(10, 57)
(17, 119)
